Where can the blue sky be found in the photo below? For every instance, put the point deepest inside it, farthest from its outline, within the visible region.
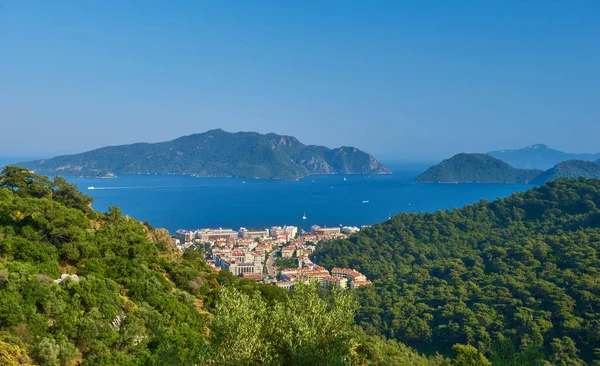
(400, 79)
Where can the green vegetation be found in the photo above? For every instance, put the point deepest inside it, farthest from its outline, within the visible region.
(509, 282)
(517, 278)
(476, 168)
(570, 169)
(285, 263)
(215, 153)
(538, 156)
(137, 300)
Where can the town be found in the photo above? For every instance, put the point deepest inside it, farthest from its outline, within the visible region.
(277, 256)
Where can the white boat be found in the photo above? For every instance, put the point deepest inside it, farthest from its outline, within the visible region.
(91, 187)
(365, 201)
(304, 216)
(344, 179)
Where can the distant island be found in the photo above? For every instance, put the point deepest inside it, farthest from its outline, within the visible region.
(476, 168)
(569, 169)
(482, 168)
(538, 156)
(214, 153)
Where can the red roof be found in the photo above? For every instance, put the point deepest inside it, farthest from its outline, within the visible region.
(253, 276)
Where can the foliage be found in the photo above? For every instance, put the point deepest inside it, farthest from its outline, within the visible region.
(304, 329)
(13, 355)
(517, 278)
(467, 355)
(285, 263)
(123, 298)
(476, 168)
(215, 153)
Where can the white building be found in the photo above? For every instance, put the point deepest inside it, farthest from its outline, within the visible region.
(184, 235)
(350, 229)
(292, 231)
(206, 235)
(276, 230)
(253, 234)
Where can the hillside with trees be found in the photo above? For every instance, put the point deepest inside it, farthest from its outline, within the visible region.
(517, 278)
(476, 168)
(83, 287)
(569, 169)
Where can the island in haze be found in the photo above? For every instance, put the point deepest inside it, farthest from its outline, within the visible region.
(538, 156)
(569, 169)
(483, 168)
(476, 168)
(215, 153)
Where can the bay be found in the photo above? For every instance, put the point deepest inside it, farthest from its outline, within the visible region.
(176, 201)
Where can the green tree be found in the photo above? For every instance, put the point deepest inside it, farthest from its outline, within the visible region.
(467, 355)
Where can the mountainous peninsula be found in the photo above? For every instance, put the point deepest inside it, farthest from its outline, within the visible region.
(215, 153)
(538, 156)
(569, 169)
(476, 168)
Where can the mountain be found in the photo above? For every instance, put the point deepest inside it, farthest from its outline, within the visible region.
(517, 276)
(538, 156)
(215, 153)
(476, 168)
(569, 169)
(80, 287)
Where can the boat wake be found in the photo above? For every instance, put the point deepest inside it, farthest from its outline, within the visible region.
(140, 187)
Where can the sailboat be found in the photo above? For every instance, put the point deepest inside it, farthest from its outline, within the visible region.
(304, 216)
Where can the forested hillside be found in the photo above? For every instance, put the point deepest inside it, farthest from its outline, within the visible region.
(518, 278)
(82, 287)
(476, 168)
(569, 169)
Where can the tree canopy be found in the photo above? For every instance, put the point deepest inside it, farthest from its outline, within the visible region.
(518, 278)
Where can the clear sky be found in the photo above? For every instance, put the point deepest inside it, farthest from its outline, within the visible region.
(399, 79)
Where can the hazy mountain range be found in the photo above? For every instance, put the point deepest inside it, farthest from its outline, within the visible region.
(538, 156)
(215, 153)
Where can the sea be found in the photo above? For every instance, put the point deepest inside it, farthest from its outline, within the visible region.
(186, 202)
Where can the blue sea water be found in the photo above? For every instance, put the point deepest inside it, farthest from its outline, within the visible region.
(176, 201)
